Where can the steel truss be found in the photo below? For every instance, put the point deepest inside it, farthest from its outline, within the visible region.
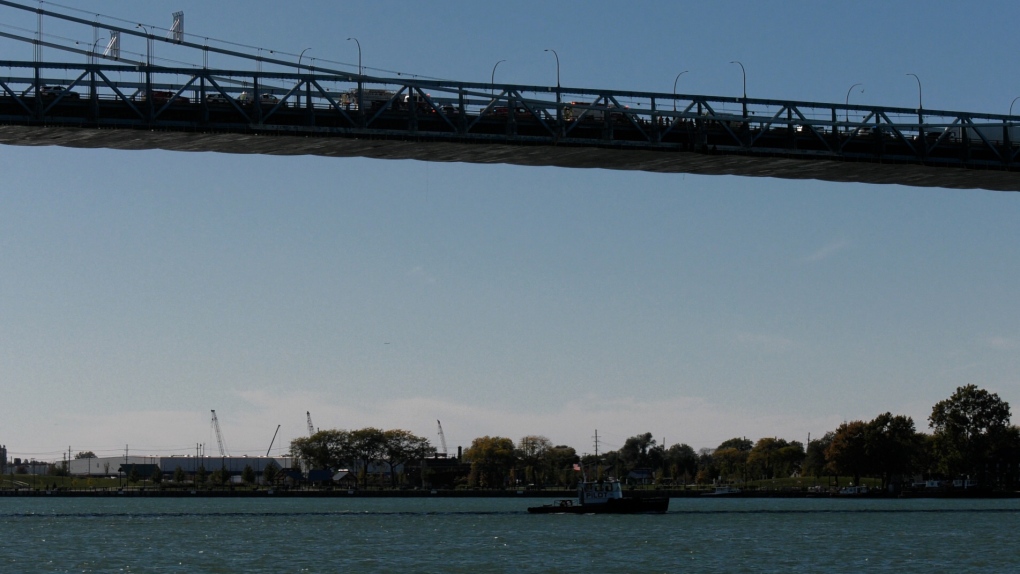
(304, 101)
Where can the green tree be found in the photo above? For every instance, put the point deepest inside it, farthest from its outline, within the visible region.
(270, 473)
(401, 447)
(848, 452)
(248, 475)
(531, 451)
(892, 446)
(775, 457)
(157, 476)
(368, 446)
(85, 454)
(635, 452)
(814, 459)
(179, 475)
(201, 475)
(326, 449)
(683, 462)
(220, 477)
(968, 428)
(491, 459)
(132, 476)
(557, 466)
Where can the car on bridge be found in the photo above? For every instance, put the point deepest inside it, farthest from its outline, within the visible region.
(266, 99)
(54, 92)
(162, 97)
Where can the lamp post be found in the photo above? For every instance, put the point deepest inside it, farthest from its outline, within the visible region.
(492, 78)
(148, 44)
(360, 84)
(559, 97)
(300, 56)
(359, 52)
(148, 69)
(557, 68)
(848, 100)
(94, 44)
(920, 103)
(1011, 104)
(674, 87)
(743, 74)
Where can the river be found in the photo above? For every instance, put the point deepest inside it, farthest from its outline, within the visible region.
(481, 535)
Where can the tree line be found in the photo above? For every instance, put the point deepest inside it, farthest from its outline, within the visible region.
(971, 438)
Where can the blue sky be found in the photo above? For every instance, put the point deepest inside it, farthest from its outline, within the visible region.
(139, 290)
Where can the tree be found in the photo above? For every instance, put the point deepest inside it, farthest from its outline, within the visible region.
(270, 473)
(85, 454)
(683, 462)
(491, 459)
(557, 465)
(132, 476)
(157, 476)
(531, 451)
(248, 475)
(201, 475)
(968, 427)
(848, 453)
(814, 458)
(401, 447)
(179, 475)
(367, 446)
(220, 477)
(892, 446)
(772, 457)
(326, 449)
(635, 452)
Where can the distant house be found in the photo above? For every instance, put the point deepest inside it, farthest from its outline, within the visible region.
(345, 478)
(640, 476)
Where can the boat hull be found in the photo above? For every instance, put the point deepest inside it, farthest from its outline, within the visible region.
(657, 505)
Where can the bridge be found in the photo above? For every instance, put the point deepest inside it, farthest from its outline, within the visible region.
(120, 100)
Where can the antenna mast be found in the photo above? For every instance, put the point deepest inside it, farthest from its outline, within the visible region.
(219, 435)
(442, 438)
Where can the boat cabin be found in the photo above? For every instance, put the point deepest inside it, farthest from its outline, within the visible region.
(598, 492)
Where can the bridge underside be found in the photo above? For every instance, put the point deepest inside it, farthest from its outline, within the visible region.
(282, 142)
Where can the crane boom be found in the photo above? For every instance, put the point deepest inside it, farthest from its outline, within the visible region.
(442, 438)
(311, 429)
(219, 435)
(268, 450)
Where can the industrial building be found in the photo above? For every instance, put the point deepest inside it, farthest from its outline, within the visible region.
(168, 465)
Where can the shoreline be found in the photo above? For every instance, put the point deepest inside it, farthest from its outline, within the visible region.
(547, 494)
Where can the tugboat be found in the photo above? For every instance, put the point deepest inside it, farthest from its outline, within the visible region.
(603, 497)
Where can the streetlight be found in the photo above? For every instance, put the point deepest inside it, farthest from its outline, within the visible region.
(674, 87)
(492, 78)
(848, 100)
(743, 74)
(920, 105)
(94, 44)
(1011, 104)
(299, 58)
(557, 67)
(148, 44)
(359, 52)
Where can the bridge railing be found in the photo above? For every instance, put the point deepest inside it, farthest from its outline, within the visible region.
(106, 93)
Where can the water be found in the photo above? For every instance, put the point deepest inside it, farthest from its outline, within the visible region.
(497, 535)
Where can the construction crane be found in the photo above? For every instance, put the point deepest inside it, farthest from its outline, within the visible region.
(268, 450)
(219, 435)
(442, 438)
(311, 429)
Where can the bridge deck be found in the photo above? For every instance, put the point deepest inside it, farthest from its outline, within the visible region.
(215, 110)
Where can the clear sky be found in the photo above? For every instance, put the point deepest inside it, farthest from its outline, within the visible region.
(139, 290)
